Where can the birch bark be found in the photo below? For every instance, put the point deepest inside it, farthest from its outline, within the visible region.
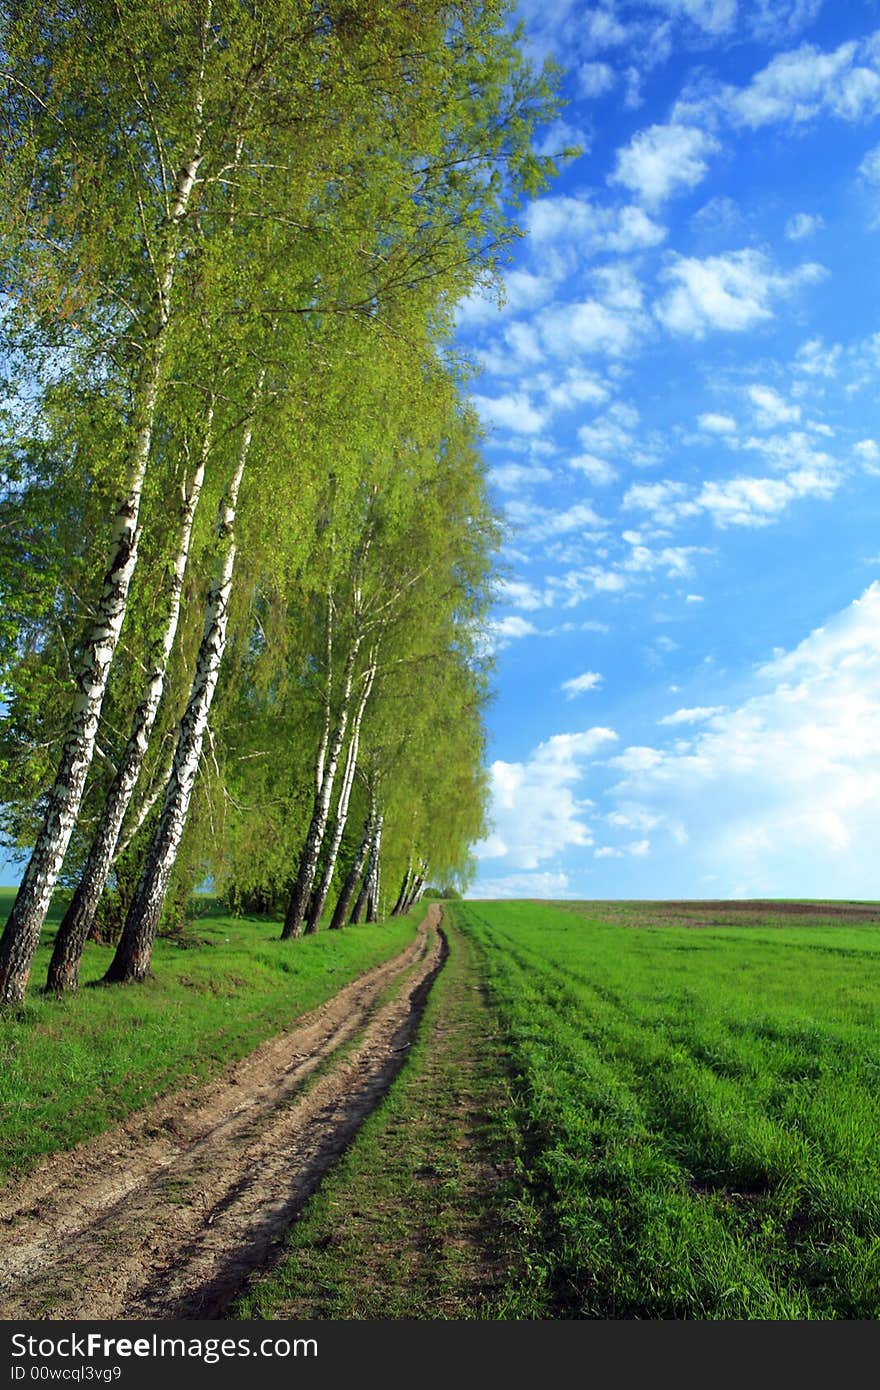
(134, 952)
(352, 878)
(22, 931)
(373, 874)
(77, 922)
(319, 896)
(294, 919)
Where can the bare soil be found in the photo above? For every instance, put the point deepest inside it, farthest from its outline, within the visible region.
(168, 1214)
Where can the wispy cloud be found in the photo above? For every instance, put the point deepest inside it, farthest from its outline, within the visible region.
(579, 685)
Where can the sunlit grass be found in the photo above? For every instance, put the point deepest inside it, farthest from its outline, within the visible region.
(701, 1109)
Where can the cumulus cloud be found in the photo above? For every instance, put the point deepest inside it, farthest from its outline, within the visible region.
(803, 224)
(545, 885)
(806, 82)
(535, 812)
(745, 500)
(514, 412)
(731, 293)
(813, 358)
(524, 596)
(717, 424)
(513, 477)
(663, 159)
(770, 409)
(697, 714)
(579, 685)
(589, 326)
(541, 523)
(561, 219)
(786, 787)
(599, 471)
(503, 631)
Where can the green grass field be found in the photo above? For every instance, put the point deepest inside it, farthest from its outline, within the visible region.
(69, 1068)
(699, 1108)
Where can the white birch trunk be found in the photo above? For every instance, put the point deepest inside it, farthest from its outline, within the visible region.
(319, 896)
(134, 952)
(77, 922)
(22, 932)
(294, 919)
(328, 698)
(373, 880)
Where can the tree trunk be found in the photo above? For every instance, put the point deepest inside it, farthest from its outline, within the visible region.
(319, 896)
(22, 932)
(294, 919)
(134, 952)
(80, 915)
(157, 785)
(400, 906)
(372, 880)
(352, 878)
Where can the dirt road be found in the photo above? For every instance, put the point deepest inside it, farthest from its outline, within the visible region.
(167, 1215)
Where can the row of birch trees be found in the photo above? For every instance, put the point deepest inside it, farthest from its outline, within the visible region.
(245, 544)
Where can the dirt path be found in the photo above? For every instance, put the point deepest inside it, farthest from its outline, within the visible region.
(166, 1215)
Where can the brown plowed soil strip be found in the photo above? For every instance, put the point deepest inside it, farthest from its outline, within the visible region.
(168, 1214)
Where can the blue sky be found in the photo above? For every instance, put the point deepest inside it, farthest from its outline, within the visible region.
(681, 394)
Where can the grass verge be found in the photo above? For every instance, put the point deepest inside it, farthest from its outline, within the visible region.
(70, 1068)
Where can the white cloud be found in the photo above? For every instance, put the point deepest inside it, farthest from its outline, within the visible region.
(770, 409)
(697, 714)
(803, 224)
(814, 359)
(513, 477)
(637, 758)
(540, 523)
(804, 83)
(745, 500)
(785, 788)
(608, 852)
(594, 79)
(545, 885)
(774, 20)
(597, 470)
(713, 16)
(717, 424)
(559, 136)
(639, 848)
(523, 291)
(524, 596)
(589, 327)
(577, 387)
(867, 451)
(507, 630)
(694, 598)
(870, 165)
(579, 685)
(731, 293)
(561, 219)
(512, 412)
(663, 159)
(535, 812)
